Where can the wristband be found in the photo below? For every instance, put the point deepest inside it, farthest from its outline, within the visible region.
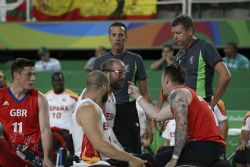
(175, 157)
(139, 98)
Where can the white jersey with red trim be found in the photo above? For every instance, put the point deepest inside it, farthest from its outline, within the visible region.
(83, 147)
(110, 108)
(220, 111)
(169, 132)
(61, 107)
(246, 124)
(142, 119)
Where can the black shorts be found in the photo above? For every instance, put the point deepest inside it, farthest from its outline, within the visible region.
(243, 157)
(202, 153)
(127, 127)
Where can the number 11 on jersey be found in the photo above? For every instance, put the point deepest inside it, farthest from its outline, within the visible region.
(18, 127)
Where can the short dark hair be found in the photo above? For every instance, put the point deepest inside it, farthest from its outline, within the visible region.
(56, 74)
(169, 46)
(184, 20)
(233, 45)
(118, 24)
(176, 73)
(18, 64)
(96, 78)
(43, 51)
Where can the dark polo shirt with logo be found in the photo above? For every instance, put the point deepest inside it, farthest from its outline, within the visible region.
(199, 61)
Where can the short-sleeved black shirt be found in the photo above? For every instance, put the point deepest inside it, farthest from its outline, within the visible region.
(199, 61)
(136, 72)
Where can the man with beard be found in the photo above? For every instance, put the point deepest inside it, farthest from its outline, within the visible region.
(126, 124)
(91, 134)
(198, 140)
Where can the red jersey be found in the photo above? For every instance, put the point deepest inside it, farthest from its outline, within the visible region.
(20, 117)
(202, 123)
(8, 155)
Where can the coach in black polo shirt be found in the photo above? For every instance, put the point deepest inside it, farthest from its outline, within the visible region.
(126, 124)
(200, 58)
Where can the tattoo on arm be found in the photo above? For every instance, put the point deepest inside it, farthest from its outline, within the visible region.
(180, 108)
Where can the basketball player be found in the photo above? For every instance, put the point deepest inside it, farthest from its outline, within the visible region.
(24, 112)
(196, 126)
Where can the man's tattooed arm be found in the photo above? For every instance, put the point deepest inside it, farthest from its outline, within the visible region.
(179, 106)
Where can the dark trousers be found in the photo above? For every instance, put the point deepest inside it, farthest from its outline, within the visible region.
(164, 155)
(204, 154)
(127, 127)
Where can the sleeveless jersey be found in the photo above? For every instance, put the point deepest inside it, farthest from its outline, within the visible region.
(110, 108)
(20, 117)
(220, 111)
(61, 107)
(202, 123)
(169, 132)
(82, 145)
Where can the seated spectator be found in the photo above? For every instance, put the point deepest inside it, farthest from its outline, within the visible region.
(61, 106)
(242, 157)
(47, 63)
(233, 59)
(99, 51)
(3, 81)
(166, 58)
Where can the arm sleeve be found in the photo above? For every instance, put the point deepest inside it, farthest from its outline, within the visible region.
(140, 73)
(210, 54)
(96, 65)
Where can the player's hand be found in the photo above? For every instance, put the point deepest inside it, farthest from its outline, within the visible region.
(242, 147)
(136, 162)
(133, 90)
(47, 163)
(171, 163)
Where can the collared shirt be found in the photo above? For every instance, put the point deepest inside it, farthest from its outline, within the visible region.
(52, 65)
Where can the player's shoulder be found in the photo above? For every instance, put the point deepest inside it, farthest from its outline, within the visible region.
(133, 55)
(221, 107)
(72, 94)
(247, 114)
(49, 92)
(246, 118)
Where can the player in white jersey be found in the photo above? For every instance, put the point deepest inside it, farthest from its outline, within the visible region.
(169, 133)
(89, 117)
(61, 103)
(242, 157)
(221, 115)
(61, 107)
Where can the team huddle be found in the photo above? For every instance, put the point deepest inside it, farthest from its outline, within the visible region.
(101, 127)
